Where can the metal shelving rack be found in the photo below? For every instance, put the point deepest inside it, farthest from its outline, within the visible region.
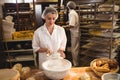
(90, 22)
(14, 54)
(18, 55)
(23, 15)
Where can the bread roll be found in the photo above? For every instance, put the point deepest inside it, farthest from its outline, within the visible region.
(25, 73)
(17, 67)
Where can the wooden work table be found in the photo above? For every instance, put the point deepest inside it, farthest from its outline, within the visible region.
(73, 74)
(76, 72)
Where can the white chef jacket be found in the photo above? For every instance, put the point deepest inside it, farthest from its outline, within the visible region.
(43, 39)
(75, 36)
(74, 21)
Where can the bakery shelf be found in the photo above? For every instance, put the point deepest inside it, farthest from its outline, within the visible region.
(108, 35)
(18, 40)
(90, 26)
(21, 50)
(104, 40)
(25, 57)
(98, 26)
(20, 12)
(97, 47)
(98, 54)
(100, 20)
(14, 60)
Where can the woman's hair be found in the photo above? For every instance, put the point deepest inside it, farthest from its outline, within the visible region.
(49, 10)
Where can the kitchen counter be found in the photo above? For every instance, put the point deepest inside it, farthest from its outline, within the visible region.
(75, 73)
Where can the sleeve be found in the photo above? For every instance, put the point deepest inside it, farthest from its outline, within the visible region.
(35, 42)
(64, 40)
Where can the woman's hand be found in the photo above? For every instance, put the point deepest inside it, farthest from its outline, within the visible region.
(46, 50)
(62, 54)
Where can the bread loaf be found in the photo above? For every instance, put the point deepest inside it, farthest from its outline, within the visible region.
(17, 67)
(25, 73)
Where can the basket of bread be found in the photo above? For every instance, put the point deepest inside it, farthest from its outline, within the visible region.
(104, 65)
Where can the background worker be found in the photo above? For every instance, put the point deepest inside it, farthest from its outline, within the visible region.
(74, 26)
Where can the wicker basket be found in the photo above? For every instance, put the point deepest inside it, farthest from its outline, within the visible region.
(98, 73)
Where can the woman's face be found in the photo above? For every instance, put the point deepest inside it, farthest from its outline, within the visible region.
(50, 19)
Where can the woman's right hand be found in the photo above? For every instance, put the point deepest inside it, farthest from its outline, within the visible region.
(46, 50)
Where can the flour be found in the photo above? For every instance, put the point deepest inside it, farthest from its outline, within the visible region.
(57, 65)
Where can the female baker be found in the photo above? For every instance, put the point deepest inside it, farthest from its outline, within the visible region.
(49, 38)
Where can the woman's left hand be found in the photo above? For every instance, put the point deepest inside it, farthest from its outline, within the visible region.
(62, 54)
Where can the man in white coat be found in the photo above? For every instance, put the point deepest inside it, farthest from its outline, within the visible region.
(74, 31)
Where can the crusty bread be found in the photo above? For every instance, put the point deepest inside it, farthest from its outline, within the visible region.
(25, 73)
(17, 67)
(104, 65)
(103, 68)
